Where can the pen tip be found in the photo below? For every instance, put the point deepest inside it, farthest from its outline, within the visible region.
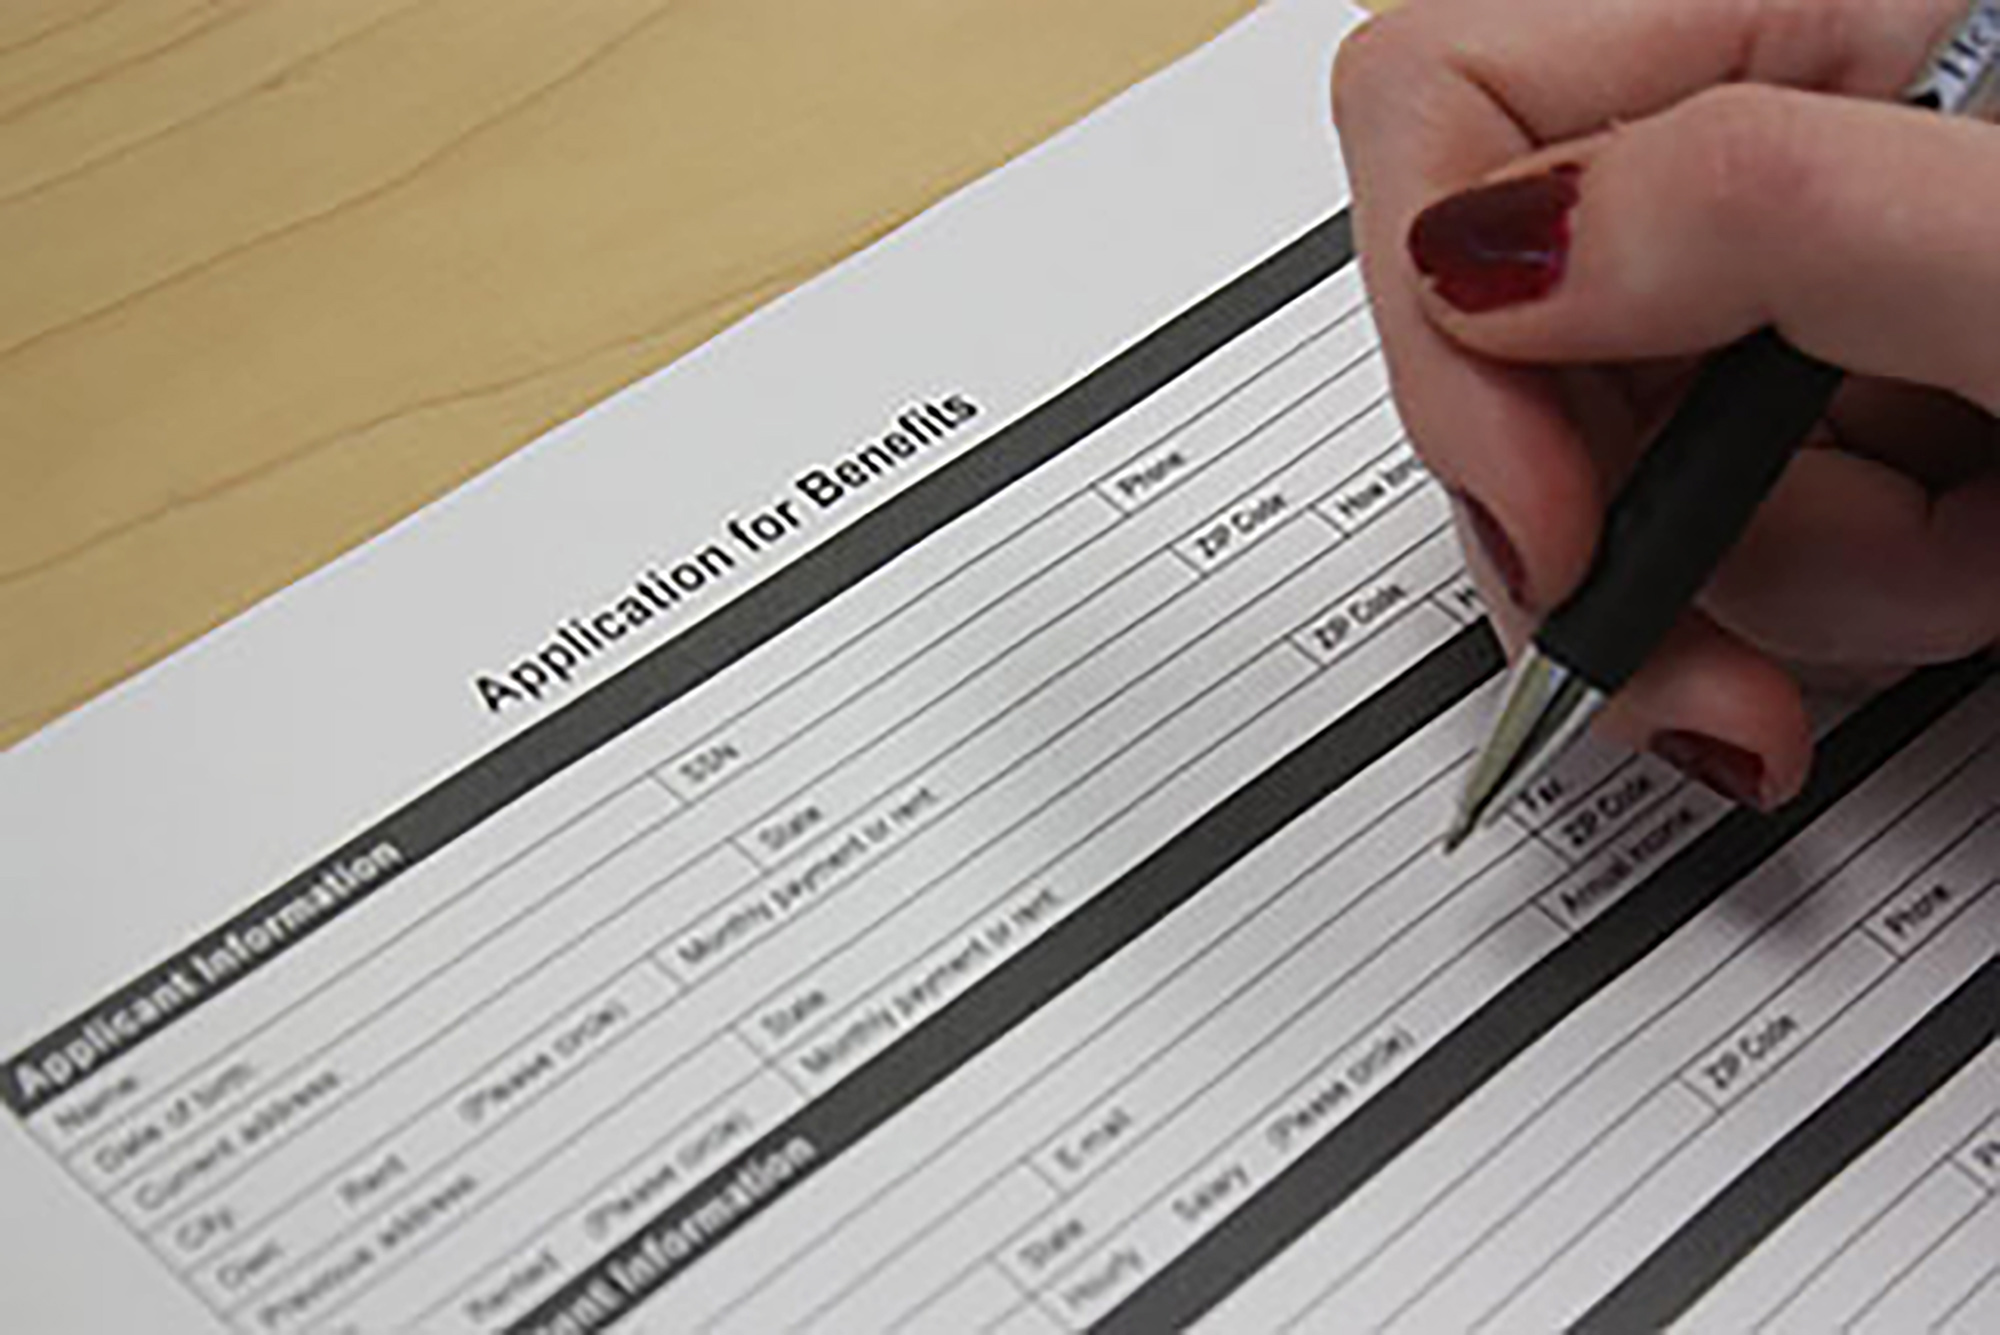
(1460, 831)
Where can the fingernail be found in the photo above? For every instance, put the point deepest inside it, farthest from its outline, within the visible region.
(1497, 245)
(1728, 770)
(1500, 551)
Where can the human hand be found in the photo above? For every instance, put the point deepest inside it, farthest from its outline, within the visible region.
(1561, 204)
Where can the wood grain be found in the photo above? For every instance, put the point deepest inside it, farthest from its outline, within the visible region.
(278, 272)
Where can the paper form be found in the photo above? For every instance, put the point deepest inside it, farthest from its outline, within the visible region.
(923, 817)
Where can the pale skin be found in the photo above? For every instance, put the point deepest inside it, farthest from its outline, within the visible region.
(1742, 163)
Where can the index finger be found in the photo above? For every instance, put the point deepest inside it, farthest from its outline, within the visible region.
(1560, 69)
(1440, 93)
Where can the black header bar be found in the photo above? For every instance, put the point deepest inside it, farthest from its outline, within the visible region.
(204, 968)
(1790, 1173)
(1332, 1171)
(1112, 919)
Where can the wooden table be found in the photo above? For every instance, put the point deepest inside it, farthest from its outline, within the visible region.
(274, 273)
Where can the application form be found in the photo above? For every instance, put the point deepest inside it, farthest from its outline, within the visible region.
(923, 815)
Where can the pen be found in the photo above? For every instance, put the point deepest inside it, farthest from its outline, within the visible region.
(1688, 501)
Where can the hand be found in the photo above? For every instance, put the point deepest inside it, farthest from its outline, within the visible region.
(1562, 203)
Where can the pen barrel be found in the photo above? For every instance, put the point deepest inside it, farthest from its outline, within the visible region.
(1686, 504)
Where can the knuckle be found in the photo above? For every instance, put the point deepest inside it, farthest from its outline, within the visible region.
(1748, 151)
(1369, 65)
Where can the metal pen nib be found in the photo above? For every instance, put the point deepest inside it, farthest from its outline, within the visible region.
(1546, 706)
(1698, 485)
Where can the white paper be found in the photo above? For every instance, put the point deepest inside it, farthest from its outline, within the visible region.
(931, 922)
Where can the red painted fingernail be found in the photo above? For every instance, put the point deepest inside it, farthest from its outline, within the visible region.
(1500, 551)
(1729, 770)
(1496, 245)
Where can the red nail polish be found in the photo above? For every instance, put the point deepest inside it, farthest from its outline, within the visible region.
(1500, 551)
(1496, 245)
(1729, 770)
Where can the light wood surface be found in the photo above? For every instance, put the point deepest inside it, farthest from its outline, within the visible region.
(274, 273)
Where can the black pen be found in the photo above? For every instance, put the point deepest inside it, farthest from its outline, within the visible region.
(1688, 501)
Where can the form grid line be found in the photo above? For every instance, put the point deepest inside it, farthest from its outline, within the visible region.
(1534, 1115)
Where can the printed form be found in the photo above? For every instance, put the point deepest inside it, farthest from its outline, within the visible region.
(923, 817)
